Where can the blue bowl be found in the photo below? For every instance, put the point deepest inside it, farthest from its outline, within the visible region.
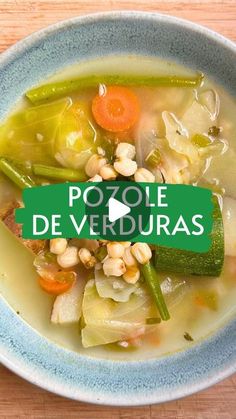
(22, 349)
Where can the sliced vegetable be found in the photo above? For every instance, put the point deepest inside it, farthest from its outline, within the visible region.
(229, 219)
(214, 131)
(153, 159)
(152, 280)
(211, 101)
(153, 320)
(174, 289)
(46, 265)
(67, 307)
(223, 168)
(197, 119)
(77, 138)
(58, 89)
(145, 136)
(15, 174)
(101, 253)
(110, 332)
(137, 309)
(117, 109)
(207, 298)
(193, 263)
(200, 140)
(61, 283)
(188, 337)
(60, 173)
(215, 188)
(113, 287)
(174, 166)
(108, 144)
(109, 321)
(29, 135)
(177, 137)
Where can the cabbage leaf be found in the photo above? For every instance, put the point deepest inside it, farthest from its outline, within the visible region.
(113, 287)
(30, 133)
(108, 321)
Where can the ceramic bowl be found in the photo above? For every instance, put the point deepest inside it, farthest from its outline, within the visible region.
(22, 349)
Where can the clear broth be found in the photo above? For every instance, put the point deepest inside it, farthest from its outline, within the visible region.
(18, 284)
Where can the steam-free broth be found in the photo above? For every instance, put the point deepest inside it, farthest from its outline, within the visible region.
(135, 118)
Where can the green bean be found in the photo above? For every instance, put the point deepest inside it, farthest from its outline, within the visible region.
(61, 173)
(151, 278)
(58, 89)
(15, 174)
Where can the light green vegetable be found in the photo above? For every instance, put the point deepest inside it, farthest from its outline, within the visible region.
(58, 89)
(152, 280)
(177, 137)
(153, 159)
(109, 321)
(197, 119)
(101, 253)
(77, 138)
(207, 298)
(113, 287)
(29, 135)
(60, 173)
(229, 221)
(153, 320)
(192, 263)
(173, 288)
(211, 101)
(67, 307)
(200, 140)
(15, 174)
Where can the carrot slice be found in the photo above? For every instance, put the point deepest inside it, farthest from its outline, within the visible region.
(61, 283)
(117, 109)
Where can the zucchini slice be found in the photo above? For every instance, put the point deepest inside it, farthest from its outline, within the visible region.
(192, 263)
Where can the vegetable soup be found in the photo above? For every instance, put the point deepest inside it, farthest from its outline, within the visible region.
(120, 118)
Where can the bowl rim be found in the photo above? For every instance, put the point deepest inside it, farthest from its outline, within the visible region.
(32, 38)
(9, 55)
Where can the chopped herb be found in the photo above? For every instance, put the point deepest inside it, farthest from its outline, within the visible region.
(178, 132)
(101, 253)
(188, 337)
(108, 145)
(153, 159)
(214, 131)
(200, 140)
(153, 320)
(18, 312)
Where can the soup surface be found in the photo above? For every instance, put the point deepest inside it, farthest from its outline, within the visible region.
(124, 117)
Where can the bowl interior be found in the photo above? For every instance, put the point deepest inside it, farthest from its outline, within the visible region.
(25, 351)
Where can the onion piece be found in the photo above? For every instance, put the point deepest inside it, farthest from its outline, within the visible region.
(113, 287)
(229, 220)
